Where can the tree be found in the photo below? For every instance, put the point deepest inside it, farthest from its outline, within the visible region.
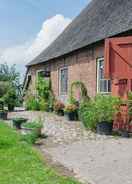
(10, 87)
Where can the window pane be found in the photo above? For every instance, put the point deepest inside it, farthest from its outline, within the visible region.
(64, 80)
(101, 70)
(109, 85)
(104, 85)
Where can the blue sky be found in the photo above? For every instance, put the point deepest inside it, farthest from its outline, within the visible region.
(22, 19)
(29, 26)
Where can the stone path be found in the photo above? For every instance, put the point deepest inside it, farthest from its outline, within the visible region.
(92, 158)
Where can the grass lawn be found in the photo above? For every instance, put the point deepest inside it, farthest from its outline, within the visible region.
(22, 164)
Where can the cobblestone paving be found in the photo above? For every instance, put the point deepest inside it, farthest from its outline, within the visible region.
(92, 158)
(58, 129)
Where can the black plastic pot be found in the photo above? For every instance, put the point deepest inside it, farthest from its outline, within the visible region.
(104, 128)
(71, 116)
(50, 109)
(125, 134)
(60, 113)
(18, 122)
(3, 115)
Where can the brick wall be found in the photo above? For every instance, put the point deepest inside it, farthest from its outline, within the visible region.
(81, 66)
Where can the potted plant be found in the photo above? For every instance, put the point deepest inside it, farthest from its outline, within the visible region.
(17, 122)
(71, 111)
(106, 108)
(59, 108)
(35, 126)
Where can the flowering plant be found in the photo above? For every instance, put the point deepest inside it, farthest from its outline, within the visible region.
(58, 105)
(71, 108)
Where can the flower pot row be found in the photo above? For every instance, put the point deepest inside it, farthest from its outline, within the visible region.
(70, 116)
(70, 111)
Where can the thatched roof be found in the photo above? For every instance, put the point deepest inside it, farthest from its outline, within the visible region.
(99, 20)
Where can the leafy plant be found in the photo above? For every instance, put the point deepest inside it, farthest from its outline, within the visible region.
(43, 88)
(102, 108)
(45, 94)
(88, 114)
(107, 107)
(43, 105)
(32, 104)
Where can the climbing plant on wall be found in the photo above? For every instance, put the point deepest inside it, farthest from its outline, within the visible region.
(78, 85)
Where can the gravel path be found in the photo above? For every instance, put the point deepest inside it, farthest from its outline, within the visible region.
(92, 158)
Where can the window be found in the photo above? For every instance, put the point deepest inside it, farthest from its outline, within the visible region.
(103, 85)
(44, 74)
(63, 80)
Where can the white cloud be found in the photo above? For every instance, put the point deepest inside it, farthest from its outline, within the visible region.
(22, 54)
(51, 29)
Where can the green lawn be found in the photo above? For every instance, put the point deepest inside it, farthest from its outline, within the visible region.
(21, 164)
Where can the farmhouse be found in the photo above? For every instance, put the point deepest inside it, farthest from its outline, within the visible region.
(79, 53)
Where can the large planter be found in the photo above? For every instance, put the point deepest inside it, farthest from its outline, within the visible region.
(125, 134)
(3, 115)
(71, 116)
(17, 122)
(104, 128)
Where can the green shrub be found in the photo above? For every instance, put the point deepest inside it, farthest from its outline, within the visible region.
(102, 108)
(32, 104)
(43, 105)
(106, 106)
(88, 115)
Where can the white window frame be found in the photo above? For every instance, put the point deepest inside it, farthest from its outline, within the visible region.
(60, 92)
(98, 80)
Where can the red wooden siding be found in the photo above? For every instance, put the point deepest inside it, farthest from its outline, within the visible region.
(118, 67)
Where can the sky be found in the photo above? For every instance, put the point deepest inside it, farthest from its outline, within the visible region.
(29, 26)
